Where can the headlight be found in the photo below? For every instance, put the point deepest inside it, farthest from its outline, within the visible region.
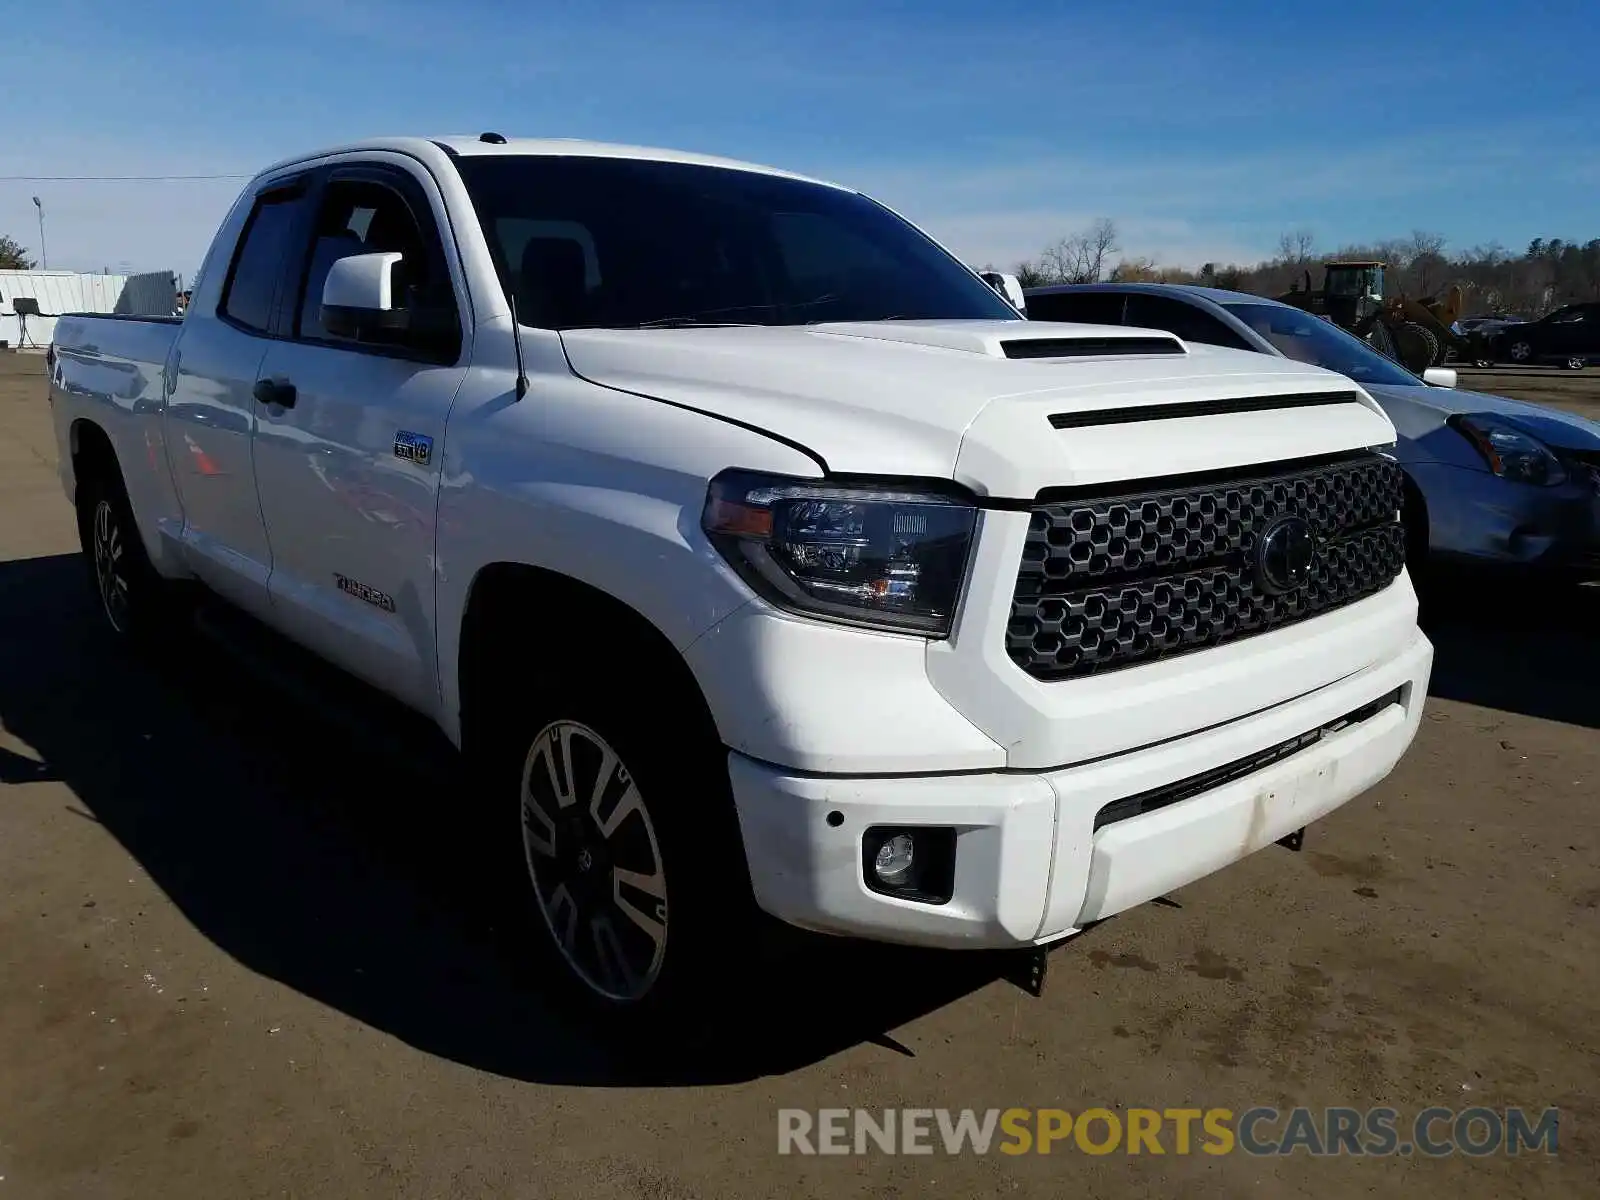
(875, 555)
(1509, 452)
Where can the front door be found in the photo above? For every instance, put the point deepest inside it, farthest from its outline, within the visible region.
(348, 462)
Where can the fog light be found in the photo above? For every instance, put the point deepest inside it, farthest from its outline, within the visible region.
(910, 862)
(893, 863)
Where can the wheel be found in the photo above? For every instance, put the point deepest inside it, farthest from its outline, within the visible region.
(1520, 350)
(132, 596)
(1576, 363)
(594, 861)
(632, 882)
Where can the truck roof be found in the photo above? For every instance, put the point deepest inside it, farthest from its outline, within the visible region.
(466, 146)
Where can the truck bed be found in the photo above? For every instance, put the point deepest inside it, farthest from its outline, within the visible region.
(112, 358)
(107, 369)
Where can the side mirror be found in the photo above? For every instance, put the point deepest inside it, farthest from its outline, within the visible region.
(359, 302)
(1008, 286)
(1444, 377)
(358, 296)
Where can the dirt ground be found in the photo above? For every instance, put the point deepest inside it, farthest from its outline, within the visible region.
(244, 955)
(1576, 391)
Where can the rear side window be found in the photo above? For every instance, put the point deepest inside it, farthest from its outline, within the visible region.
(1185, 320)
(1082, 308)
(266, 245)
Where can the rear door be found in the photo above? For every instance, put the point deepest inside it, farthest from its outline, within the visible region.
(348, 476)
(211, 412)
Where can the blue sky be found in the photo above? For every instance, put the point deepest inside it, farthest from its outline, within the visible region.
(1203, 130)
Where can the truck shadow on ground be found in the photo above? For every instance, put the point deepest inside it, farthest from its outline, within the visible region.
(343, 870)
(1532, 651)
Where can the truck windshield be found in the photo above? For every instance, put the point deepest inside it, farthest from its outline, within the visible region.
(1309, 339)
(591, 242)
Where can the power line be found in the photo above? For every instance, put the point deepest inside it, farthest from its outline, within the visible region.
(113, 178)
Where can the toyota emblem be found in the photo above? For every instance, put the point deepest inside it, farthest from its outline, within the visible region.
(1284, 554)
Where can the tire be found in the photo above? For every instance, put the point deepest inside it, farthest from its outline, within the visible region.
(1520, 351)
(1419, 347)
(134, 600)
(1576, 363)
(630, 877)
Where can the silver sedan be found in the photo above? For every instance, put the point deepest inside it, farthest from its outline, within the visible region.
(1491, 481)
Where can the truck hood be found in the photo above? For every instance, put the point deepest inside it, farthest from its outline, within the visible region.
(974, 400)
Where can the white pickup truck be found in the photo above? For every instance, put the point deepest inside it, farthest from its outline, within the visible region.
(755, 548)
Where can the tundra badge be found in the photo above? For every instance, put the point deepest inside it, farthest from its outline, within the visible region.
(413, 447)
(354, 587)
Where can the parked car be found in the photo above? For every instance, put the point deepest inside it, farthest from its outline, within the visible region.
(753, 549)
(1490, 481)
(1569, 335)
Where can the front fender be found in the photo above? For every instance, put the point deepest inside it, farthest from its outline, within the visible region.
(601, 486)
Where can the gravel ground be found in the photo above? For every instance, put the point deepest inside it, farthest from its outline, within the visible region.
(243, 954)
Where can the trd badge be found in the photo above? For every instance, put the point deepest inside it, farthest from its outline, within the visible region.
(413, 447)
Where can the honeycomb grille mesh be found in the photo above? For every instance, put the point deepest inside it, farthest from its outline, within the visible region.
(1112, 582)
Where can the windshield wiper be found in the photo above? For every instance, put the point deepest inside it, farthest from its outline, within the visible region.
(692, 323)
(697, 319)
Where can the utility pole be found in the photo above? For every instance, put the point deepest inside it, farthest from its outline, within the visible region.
(44, 255)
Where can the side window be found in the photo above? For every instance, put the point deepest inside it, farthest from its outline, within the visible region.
(1185, 320)
(362, 216)
(1082, 308)
(265, 246)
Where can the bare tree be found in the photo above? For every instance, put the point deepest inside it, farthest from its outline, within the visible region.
(1099, 244)
(1297, 247)
(1425, 262)
(1062, 263)
(1082, 257)
(1422, 242)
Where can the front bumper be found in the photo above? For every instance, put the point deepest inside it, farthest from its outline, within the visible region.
(1475, 518)
(1030, 864)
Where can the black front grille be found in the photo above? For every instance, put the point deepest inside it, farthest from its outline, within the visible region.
(1110, 581)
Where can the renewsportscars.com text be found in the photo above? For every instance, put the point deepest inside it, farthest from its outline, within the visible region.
(1432, 1132)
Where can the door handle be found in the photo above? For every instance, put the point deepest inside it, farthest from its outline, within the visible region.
(273, 391)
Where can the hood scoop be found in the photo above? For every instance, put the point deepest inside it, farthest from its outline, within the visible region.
(1120, 345)
(1042, 340)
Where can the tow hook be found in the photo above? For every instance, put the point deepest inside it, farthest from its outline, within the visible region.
(1295, 840)
(1029, 971)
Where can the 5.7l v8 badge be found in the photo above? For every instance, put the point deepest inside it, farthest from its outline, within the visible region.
(413, 447)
